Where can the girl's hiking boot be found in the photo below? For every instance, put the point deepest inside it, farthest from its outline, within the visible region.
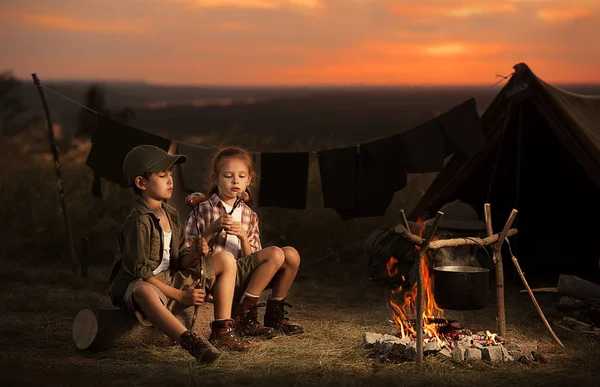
(223, 336)
(275, 318)
(199, 347)
(246, 319)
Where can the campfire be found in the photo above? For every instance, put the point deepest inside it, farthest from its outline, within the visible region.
(438, 332)
(422, 328)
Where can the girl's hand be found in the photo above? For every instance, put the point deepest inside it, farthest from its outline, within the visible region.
(201, 247)
(236, 229)
(223, 222)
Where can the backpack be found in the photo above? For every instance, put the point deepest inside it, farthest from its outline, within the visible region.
(384, 243)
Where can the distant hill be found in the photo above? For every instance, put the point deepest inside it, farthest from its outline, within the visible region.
(342, 115)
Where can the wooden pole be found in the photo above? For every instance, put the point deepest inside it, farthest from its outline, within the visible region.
(451, 242)
(420, 290)
(488, 225)
(497, 251)
(537, 306)
(61, 192)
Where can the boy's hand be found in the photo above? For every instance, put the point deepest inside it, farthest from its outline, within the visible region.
(192, 296)
(223, 222)
(237, 230)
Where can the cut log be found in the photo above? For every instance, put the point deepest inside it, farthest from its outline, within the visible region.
(576, 287)
(103, 329)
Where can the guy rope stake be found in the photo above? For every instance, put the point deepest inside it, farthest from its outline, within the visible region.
(61, 192)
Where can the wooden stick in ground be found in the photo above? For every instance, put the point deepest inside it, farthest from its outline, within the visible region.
(420, 290)
(452, 242)
(497, 248)
(488, 224)
(404, 220)
(61, 191)
(537, 306)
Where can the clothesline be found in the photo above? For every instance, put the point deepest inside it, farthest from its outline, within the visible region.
(410, 124)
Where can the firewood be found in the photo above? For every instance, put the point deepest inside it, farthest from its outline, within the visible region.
(576, 287)
(103, 329)
(452, 242)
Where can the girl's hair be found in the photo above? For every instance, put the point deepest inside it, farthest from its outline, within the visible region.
(228, 152)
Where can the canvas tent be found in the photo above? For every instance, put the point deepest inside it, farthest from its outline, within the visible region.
(542, 157)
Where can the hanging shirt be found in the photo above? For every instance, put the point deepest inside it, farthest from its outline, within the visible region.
(233, 242)
(166, 255)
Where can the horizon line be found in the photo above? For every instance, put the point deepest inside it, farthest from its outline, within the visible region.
(272, 86)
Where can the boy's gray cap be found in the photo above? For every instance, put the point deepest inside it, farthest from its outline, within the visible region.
(148, 158)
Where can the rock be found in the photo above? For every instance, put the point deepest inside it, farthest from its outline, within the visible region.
(492, 354)
(388, 343)
(506, 356)
(370, 338)
(529, 350)
(445, 353)
(431, 347)
(410, 351)
(458, 354)
(473, 354)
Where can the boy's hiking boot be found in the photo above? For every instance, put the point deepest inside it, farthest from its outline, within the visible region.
(246, 318)
(199, 347)
(223, 335)
(275, 318)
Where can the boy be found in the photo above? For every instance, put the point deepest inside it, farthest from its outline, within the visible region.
(151, 247)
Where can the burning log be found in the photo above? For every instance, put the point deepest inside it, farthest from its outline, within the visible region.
(453, 242)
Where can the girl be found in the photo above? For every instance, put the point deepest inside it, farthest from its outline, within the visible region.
(238, 233)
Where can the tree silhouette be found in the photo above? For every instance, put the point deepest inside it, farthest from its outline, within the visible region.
(14, 115)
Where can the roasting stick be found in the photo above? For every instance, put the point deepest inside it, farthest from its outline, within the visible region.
(190, 200)
(404, 220)
(422, 251)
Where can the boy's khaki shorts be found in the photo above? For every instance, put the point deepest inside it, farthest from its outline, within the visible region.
(246, 266)
(179, 280)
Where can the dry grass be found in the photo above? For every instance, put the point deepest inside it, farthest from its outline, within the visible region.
(333, 299)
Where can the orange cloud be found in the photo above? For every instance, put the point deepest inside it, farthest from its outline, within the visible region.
(561, 15)
(256, 4)
(69, 23)
(458, 10)
(233, 26)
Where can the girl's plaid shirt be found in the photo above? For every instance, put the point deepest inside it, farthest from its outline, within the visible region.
(209, 211)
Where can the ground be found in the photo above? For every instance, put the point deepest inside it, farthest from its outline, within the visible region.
(336, 306)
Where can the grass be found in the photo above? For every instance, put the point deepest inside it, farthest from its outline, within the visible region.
(331, 297)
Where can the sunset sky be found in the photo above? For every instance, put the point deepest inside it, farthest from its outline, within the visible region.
(298, 42)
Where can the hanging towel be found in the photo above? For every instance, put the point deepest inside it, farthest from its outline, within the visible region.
(422, 147)
(462, 126)
(380, 174)
(338, 170)
(283, 180)
(110, 144)
(196, 173)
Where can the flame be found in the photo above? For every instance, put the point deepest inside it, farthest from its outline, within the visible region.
(407, 311)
